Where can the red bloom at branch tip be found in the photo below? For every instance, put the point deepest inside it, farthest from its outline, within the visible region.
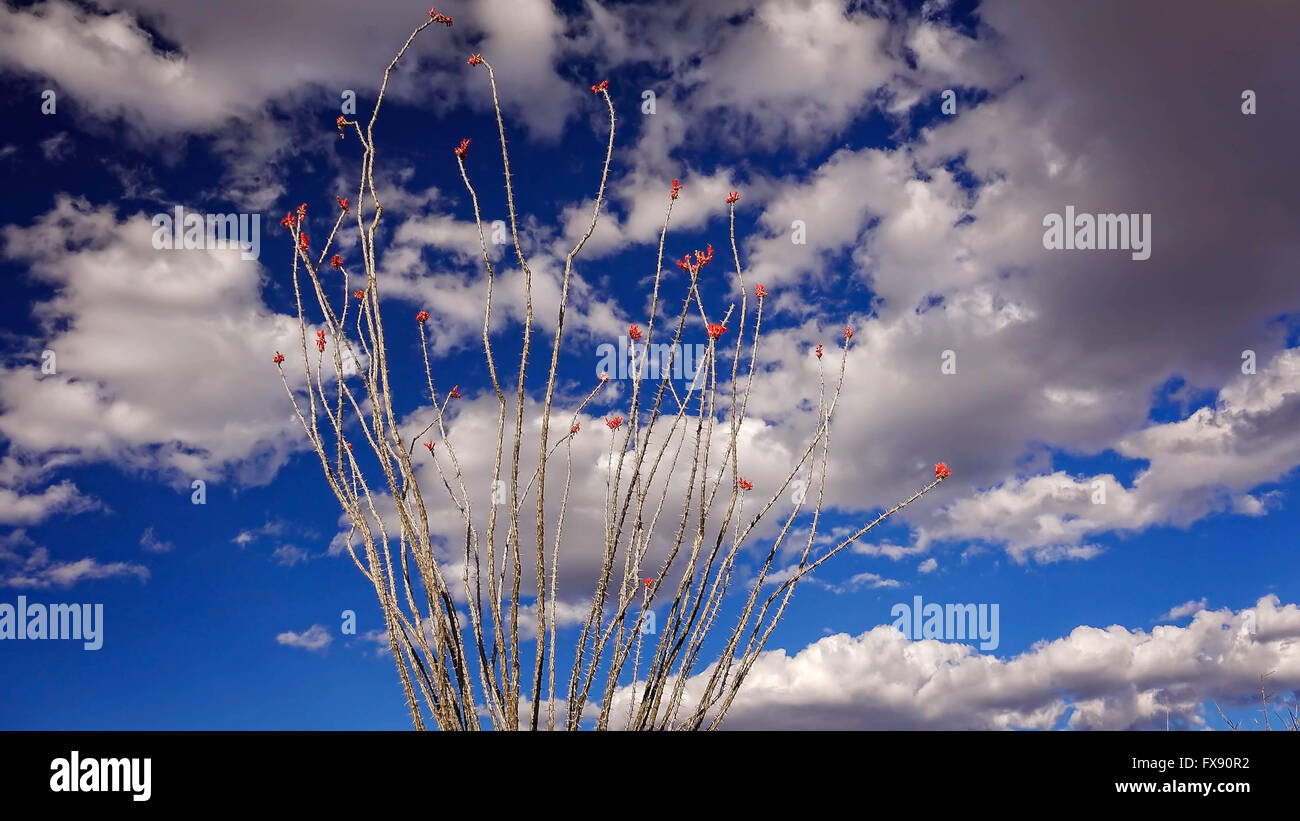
(603, 376)
(941, 471)
(359, 294)
(302, 211)
(733, 197)
(716, 331)
(745, 484)
(440, 18)
(684, 263)
(576, 427)
(343, 203)
(336, 262)
(634, 331)
(649, 583)
(433, 11)
(614, 423)
(819, 350)
(279, 357)
(455, 392)
(475, 59)
(603, 85)
(289, 220)
(848, 333)
(320, 341)
(429, 445)
(760, 291)
(349, 444)
(463, 148)
(676, 188)
(303, 241)
(422, 316)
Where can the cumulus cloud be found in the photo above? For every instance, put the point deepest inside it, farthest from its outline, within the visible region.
(316, 637)
(1111, 678)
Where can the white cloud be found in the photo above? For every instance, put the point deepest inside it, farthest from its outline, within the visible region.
(1094, 678)
(316, 637)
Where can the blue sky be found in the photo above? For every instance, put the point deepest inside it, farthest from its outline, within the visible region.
(1077, 372)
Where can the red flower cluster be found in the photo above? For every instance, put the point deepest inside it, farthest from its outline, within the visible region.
(716, 331)
(676, 188)
(439, 18)
(848, 333)
(279, 357)
(615, 423)
(455, 392)
(422, 316)
(289, 220)
(336, 262)
(302, 211)
(302, 241)
(463, 148)
(429, 445)
(733, 197)
(819, 350)
(340, 122)
(700, 260)
(359, 294)
(634, 331)
(576, 427)
(649, 583)
(941, 471)
(745, 484)
(343, 203)
(475, 59)
(604, 376)
(603, 85)
(760, 291)
(320, 341)
(349, 444)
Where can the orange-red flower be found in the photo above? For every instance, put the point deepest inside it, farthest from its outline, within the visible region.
(279, 357)
(455, 392)
(359, 294)
(848, 333)
(941, 471)
(429, 445)
(302, 211)
(336, 262)
(634, 331)
(343, 203)
(614, 423)
(733, 197)
(603, 376)
(463, 148)
(340, 122)
(422, 316)
(289, 220)
(475, 59)
(745, 484)
(716, 331)
(676, 188)
(648, 582)
(576, 427)
(603, 85)
(819, 350)
(303, 241)
(320, 341)
(440, 18)
(760, 291)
